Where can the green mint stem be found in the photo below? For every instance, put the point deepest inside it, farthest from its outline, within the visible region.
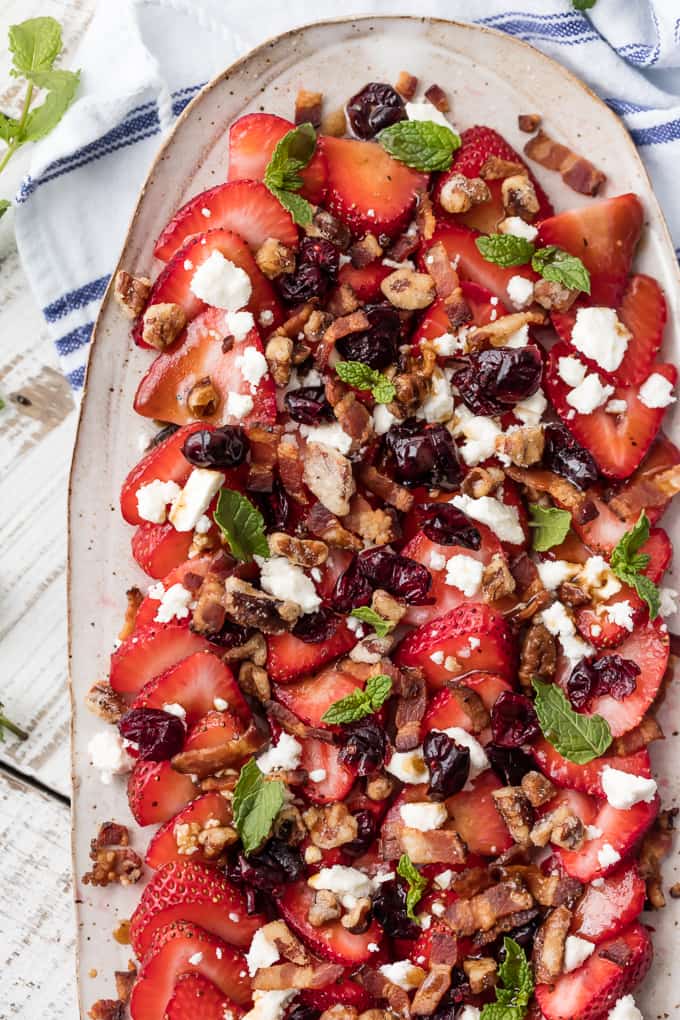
(12, 148)
(7, 724)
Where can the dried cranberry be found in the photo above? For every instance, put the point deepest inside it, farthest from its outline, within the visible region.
(364, 746)
(315, 251)
(161, 436)
(449, 765)
(232, 635)
(375, 107)
(389, 910)
(158, 735)
(443, 524)
(524, 935)
(611, 675)
(307, 282)
(566, 457)
(378, 345)
(352, 589)
(447, 472)
(510, 764)
(315, 627)
(226, 447)
(458, 992)
(366, 830)
(308, 405)
(274, 506)
(499, 377)
(513, 720)
(302, 1012)
(423, 455)
(399, 575)
(270, 868)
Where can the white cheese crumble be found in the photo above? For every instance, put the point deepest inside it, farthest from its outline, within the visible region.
(601, 336)
(576, 952)
(589, 395)
(520, 338)
(621, 614)
(561, 625)
(656, 391)
(383, 419)
(625, 1009)
(108, 755)
(571, 370)
(518, 227)
(220, 705)
(404, 974)
(203, 525)
(153, 499)
(531, 409)
(349, 884)
(470, 1013)
(596, 574)
(409, 766)
(464, 572)
(423, 815)
(239, 405)
(443, 879)
(438, 406)
(616, 407)
(553, 573)
(266, 317)
(198, 493)
(607, 856)
(285, 754)
(285, 580)
(437, 562)
(239, 325)
(446, 345)
(503, 520)
(174, 604)
(668, 604)
(174, 708)
(262, 952)
(480, 433)
(270, 1005)
(624, 790)
(332, 435)
(478, 759)
(425, 110)
(318, 775)
(253, 365)
(520, 290)
(220, 283)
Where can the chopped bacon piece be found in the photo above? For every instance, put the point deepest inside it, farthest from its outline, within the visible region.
(308, 108)
(577, 172)
(438, 98)
(406, 84)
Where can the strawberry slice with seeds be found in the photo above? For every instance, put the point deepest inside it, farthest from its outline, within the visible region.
(319, 758)
(586, 778)
(451, 634)
(470, 264)
(149, 652)
(189, 574)
(618, 442)
(485, 308)
(156, 792)
(214, 730)
(164, 391)
(194, 995)
(332, 941)
(311, 698)
(446, 709)
(199, 683)
(173, 285)
(345, 992)
(602, 234)
(204, 812)
(288, 657)
(160, 548)
(641, 491)
(164, 462)
(476, 818)
(252, 140)
(367, 189)
(365, 282)
(247, 208)
(621, 831)
(184, 948)
(606, 909)
(191, 891)
(590, 992)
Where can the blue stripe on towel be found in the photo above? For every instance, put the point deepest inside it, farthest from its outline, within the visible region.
(74, 299)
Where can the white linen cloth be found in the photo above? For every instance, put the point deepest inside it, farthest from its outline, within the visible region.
(143, 60)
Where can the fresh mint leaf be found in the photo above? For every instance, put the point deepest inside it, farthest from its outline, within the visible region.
(367, 615)
(35, 45)
(4, 206)
(61, 86)
(283, 173)
(360, 703)
(555, 264)
(257, 801)
(515, 987)
(421, 144)
(628, 563)
(579, 738)
(242, 524)
(505, 249)
(583, 5)
(551, 526)
(363, 377)
(299, 208)
(9, 128)
(417, 884)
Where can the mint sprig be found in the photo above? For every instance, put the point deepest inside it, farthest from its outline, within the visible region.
(11, 727)
(367, 615)
(505, 249)
(417, 884)
(515, 985)
(257, 801)
(360, 702)
(579, 738)
(421, 144)
(283, 172)
(553, 263)
(242, 524)
(363, 377)
(628, 564)
(550, 526)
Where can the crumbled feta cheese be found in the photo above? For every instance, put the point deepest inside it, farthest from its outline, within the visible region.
(531, 409)
(623, 790)
(108, 755)
(589, 395)
(553, 573)
(592, 832)
(668, 601)
(503, 520)
(253, 365)
(153, 499)
(425, 110)
(576, 952)
(470, 1013)
(446, 345)
(423, 815)
(438, 406)
(262, 952)
(174, 708)
(239, 405)
(392, 264)
(478, 759)
(443, 879)
(409, 766)
(518, 227)
(656, 391)
(464, 572)
(220, 283)
(451, 663)
(596, 574)
(318, 775)
(437, 560)
(203, 525)
(621, 614)
(437, 657)
(174, 604)
(601, 336)
(266, 317)
(192, 502)
(285, 580)
(520, 338)
(344, 881)
(373, 947)
(240, 325)
(438, 908)
(561, 625)
(383, 419)
(625, 1009)
(480, 433)
(156, 591)
(332, 435)
(571, 370)
(607, 856)
(195, 959)
(285, 754)
(220, 705)
(403, 973)
(270, 1005)
(616, 407)
(520, 290)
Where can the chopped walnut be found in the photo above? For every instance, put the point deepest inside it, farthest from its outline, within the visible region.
(528, 122)
(367, 250)
(212, 838)
(537, 788)
(554, 296)
(437, 97)
(406, 84)
(481, 974)
(409, 290)
(523, 446)
(316, 325)
(551, 890)
(343, 301)
(519, 197)
(274, 258)
(340, 1012)
(255, 649)
(498, 332)
(538, 654)
(358, 917)
(376, 527)
(162, 324)
(289, 825)
(497, 581)
(108, 1009)
(302, 551)
(105, 703)
(481, 481)
(386, 605)
(134, 600)
(209, 613)
(411, 389)
(254, 680)
(279, 355)
(308, 107)
(330, 826)
(131, 293)
(313, 855)
(113, 859)
(252, 608)
(329, 476)
(572, 594)
(324, 908)
(334, 123)
(515, 810)
(460, 193)
(548, 952)
(203, 399)
(559, 827)
(295, 323)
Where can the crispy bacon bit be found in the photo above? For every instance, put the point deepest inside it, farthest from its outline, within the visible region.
(355, 322)
(406, 84)
(481, 974)
(552, 890)
(288, 945)
(523, 446)
(304, 552)
(562, 492)
(497, 581)
(329, 476)
(209, 613)
(577, 172)
(385, 488)
(639, 738)
(404, 246)
(646, 489)
(330, 826)
(308, 107)
(496, 169)
(656, 845)
(408, 290)
(439, 846)
(205, 761)
(343, 301)
(411, 705)
(263, 440)
(553, 296)
(472, 705)
(104, 702)
(334, 123)
(548, 953)
(295, 726)
(321, 522)
(113, 859)
(252, 608)
(425, 218)
(125, 980)
(528, 122)
(107, 1009)
(365, 251)
(433, 989)
(438, 98)
(254, 680)
(485, 909)
(131, 293)
(162, 324)
(460, 193)
(438, 264)
(290, 975)
(292, 467)
(355, 420)
(380, 987)
(325, 224)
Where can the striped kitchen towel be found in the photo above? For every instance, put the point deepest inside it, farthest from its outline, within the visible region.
(143, 60)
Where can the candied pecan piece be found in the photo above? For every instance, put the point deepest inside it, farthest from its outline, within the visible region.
(497, 581)
(515, 810)
(553, 296)
(460, 193)
(254, 649)
(639, 738)
(274, 258)
(386, 605)
(366, 250)
(203, 399)
(385, 488)
(131, 293)
(254, 680)
(334, 123)
(104, 702)
(279, 355)
(316, 325)
(538, 654)
(209, 613)
(559, 827)
(308, 107)
(125, 980)
(472, 705)
(481, 481)
(656, 845)
(134, 600)
(528, 122)
(302, 551)
(408, 290)
(519, 197)
(379, 787)
(537, 788)
(325, 224)
(523, 446)
(548, 952)
(411, 705)
(162, 324)
(494, 168)
(252, 608)
(406, 84)
(325, 907)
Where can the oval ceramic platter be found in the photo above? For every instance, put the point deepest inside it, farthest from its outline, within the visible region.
(490, 78)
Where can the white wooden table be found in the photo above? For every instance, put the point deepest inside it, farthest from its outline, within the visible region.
(36, 911)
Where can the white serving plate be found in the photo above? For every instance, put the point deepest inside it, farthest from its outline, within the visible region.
(490, 78)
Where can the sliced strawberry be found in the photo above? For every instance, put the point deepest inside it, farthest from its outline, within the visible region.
(163, 392)
(288, 657)
(164, 462)
(184, 948)
(191, 891)
(159, 548)
(213, 730)
(476, 818)
(156, 792)
(163, 848)
(451, 634)
(247, 208)
(339, 779)
(621, 830)
(420, 951)
(602, 234)
(477, 144)
(188, 574)
(605, 909)
(332, 941)
(149, 652)
(618, 442)
(310, 698)
(641, 491)
(252, 140)
(367, 189)
(173, 285)
(199, 683)
(194, 995)
(460, 246)
(589, 993)
(586, 778)
(596, 626)
(446, 709)
(344, 992)
(365, 282)
(482, 303)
